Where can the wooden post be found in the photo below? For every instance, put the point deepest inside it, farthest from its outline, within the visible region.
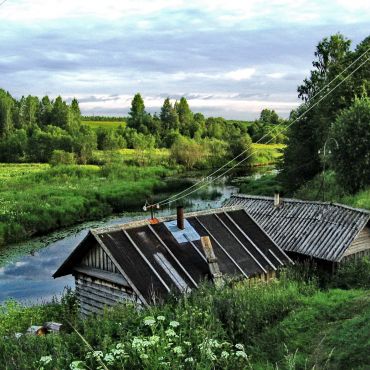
(212, 261)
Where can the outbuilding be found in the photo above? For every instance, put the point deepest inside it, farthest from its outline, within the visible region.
(143, 261)
(327, 232)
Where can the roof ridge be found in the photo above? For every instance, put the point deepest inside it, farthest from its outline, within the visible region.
(295, 200)
(146, 221)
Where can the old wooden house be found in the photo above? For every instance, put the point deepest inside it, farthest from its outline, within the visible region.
(144, 261)
(326, 232)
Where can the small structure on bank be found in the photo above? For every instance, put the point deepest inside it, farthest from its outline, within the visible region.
(145, 260)
(327, 232)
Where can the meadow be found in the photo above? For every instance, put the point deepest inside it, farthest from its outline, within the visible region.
(104, 124)
(283, 324)
(38, 198)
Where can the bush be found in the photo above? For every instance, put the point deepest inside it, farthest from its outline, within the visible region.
(187, 152)
(353, 274)
(62, 157)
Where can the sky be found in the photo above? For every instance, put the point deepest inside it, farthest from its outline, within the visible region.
(228, 58)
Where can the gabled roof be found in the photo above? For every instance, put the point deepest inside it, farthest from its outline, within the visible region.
(318, 229)
(160, 258)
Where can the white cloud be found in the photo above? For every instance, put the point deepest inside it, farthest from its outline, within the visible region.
(241, 74)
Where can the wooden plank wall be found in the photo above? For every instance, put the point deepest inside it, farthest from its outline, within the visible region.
(94, 294)
(360, 247)
(97, 258)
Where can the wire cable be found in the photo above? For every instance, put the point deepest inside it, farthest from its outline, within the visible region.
(165, 201)
(168, 201)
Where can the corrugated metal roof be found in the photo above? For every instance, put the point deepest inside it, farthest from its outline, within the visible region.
(155, 262)
(318, 229)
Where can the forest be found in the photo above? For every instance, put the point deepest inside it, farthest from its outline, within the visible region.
(34, 130)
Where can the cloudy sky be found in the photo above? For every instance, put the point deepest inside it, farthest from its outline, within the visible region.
(229, 58)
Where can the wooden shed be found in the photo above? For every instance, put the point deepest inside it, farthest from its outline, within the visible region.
(328, 232)
(145, 260)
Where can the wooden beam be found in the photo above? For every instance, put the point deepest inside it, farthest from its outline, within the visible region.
(212, 260)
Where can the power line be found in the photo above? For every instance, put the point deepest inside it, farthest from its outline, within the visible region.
(4, 1)
(167, 200)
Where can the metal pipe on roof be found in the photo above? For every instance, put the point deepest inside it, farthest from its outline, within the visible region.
(180, 217)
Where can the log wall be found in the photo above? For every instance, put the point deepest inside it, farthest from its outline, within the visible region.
(94, 294)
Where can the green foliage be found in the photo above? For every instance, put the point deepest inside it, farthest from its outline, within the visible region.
(37, 199)
(351, 159)
(353, 274)
(241, 147)
(61, 157)
(264, 185)
(187, 152)
(282, 324)
(307, 136)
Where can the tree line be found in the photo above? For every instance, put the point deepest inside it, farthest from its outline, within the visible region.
(46, 130)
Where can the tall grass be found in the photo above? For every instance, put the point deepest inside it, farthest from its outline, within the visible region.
(39, 199)
(280, 325)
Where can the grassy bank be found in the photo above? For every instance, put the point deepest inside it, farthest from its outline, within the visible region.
(37, 198)
(281, 325)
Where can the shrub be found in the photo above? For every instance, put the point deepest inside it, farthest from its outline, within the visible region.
(62, 157)
(353, 274)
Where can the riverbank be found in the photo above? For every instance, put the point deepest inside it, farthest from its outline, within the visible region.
(37, 198)
(284, 324)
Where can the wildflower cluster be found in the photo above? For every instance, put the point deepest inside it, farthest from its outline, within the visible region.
(165, 346)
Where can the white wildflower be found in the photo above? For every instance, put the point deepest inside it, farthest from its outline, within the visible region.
(109, 359)
(189, 359)
(177, 350)
(149, 321)
(161, 318)
(239, 346)
(225, 354)
(46, 360)
(241, 354)
(174, 324)
(77, 365)
(170, 333)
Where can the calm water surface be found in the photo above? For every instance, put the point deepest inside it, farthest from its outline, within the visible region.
(26, 274)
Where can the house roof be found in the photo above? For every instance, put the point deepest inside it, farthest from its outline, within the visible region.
(160, 258)
(318, 229)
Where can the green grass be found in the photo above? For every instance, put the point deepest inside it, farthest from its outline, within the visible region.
(314, 190)
(280, 325)
(104, 124)
(36, 199)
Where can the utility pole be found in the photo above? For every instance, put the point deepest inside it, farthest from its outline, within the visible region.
(324, 162)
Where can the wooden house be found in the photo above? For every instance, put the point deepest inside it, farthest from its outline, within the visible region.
(145, 260)
(326, 232)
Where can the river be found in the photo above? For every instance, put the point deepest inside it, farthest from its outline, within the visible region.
(26, 268)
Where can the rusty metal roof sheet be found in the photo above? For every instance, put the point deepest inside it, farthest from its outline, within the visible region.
(318, 229)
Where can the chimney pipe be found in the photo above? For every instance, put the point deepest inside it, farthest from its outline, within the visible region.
(180, 217)
(276, 199)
